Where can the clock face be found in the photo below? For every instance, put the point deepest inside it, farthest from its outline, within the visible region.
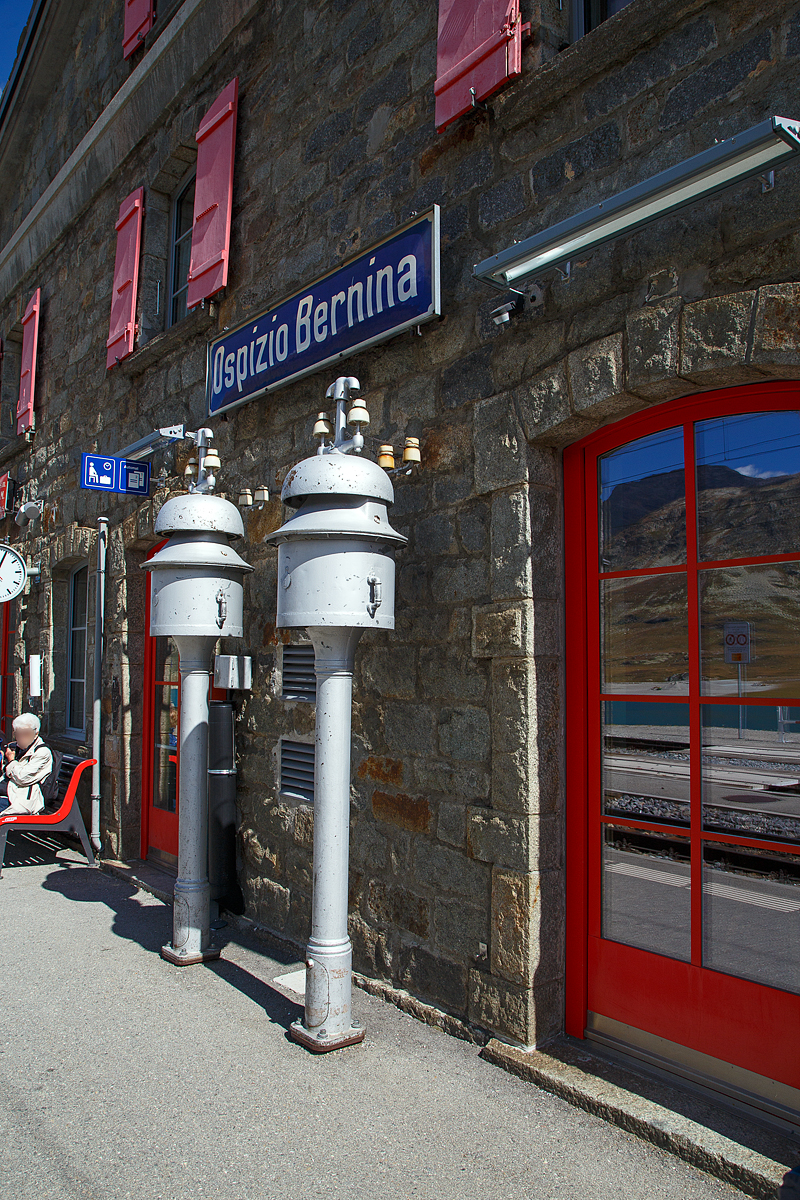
(13, 573)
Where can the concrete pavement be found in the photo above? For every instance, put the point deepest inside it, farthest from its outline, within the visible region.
(123, 1076)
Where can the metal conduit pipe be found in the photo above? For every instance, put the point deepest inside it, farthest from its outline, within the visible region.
(97, 697)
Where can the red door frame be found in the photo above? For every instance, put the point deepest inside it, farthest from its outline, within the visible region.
(736, 1020)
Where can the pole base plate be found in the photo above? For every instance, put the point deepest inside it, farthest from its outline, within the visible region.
(321, 1045)
(189, 960)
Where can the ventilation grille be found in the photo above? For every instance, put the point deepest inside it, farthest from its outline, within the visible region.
(299, 680)
(297, 770)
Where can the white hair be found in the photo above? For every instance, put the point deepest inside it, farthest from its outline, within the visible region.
(27, 721)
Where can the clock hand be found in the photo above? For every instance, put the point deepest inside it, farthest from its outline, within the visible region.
(3, 559)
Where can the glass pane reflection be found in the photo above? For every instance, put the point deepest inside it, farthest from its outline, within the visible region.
(751, 770)
(167, 660)
(645, 641)
(767, 599)
(643, 504)
(751, 914)
(165, 748)
(646, 896)
(748, 484)
(646, 761)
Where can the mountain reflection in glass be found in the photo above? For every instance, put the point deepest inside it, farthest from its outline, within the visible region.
(767, 596)
(748, 484)
(644, 635)
(646, 761)
(751, 770)
(643, 504)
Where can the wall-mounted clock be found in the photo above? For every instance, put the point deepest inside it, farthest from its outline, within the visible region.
(13, 573)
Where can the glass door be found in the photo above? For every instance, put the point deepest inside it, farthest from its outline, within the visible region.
(165, 701)
(684, 730)
(161, 716)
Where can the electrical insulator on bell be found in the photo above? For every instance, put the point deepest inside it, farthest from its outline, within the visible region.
(262, 494)
(386, 457)
(411, 451)
(211, 460)
(358, 414)
(190, 470)
(245, 498)
(322, 426)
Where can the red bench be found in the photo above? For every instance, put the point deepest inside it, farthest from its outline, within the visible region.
(67, 816)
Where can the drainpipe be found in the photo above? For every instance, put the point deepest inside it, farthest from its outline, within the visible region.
(97, 700)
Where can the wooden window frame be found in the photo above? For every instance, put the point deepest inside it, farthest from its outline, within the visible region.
(174, 291)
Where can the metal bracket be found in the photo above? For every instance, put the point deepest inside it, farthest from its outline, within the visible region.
(767, 181)
(480, 105)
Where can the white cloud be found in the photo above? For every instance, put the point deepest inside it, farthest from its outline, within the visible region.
(753, 473)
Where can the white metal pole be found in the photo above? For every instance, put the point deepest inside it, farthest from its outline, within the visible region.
(97, 697)
(190, 919)
(328, 1022)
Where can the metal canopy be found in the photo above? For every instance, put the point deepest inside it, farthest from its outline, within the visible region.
(756, 151)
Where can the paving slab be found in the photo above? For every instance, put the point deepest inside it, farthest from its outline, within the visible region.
(124, 1076)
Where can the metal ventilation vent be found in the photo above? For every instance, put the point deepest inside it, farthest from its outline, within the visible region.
(297, 770)
(299, 680)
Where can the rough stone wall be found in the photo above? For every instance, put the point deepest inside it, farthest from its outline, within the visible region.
(458, 784)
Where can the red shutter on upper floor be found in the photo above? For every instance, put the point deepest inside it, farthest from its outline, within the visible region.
(213, 197)
(480, 47)
(27, 377)
(122, 328)
(138, 22)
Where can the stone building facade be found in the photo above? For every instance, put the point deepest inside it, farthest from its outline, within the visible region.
(459, 837)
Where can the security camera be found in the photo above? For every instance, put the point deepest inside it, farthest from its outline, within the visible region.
(28, 512)
(510, 307)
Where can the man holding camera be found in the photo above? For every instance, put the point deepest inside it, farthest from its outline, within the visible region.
(27, 762)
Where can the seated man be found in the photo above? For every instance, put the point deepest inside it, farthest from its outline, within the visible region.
(25, 765)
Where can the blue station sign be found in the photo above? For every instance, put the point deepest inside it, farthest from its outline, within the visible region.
(102, 473)
(387, 289)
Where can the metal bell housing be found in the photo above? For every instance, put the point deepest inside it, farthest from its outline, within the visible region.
(197, 577)
(336, 553)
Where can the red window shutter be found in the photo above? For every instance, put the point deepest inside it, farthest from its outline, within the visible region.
(480, 47)
(138, 22)
(27, 377)
(213, 197)
(122, 329)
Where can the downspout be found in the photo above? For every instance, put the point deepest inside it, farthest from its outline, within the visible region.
(97, 702)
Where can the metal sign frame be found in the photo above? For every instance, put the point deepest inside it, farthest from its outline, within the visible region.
(254, 349)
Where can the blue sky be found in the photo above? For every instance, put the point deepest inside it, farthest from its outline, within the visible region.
(13, 15)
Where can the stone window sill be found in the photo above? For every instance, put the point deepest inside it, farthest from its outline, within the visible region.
(612, 42)
(198, 322)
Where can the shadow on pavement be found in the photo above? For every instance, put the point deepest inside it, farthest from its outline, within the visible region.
(32, 850)
(150, 926)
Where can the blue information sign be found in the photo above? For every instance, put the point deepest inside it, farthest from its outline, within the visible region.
(391, 287)
(102, 473)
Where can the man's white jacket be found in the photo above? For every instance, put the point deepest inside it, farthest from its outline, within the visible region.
(24, 774)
